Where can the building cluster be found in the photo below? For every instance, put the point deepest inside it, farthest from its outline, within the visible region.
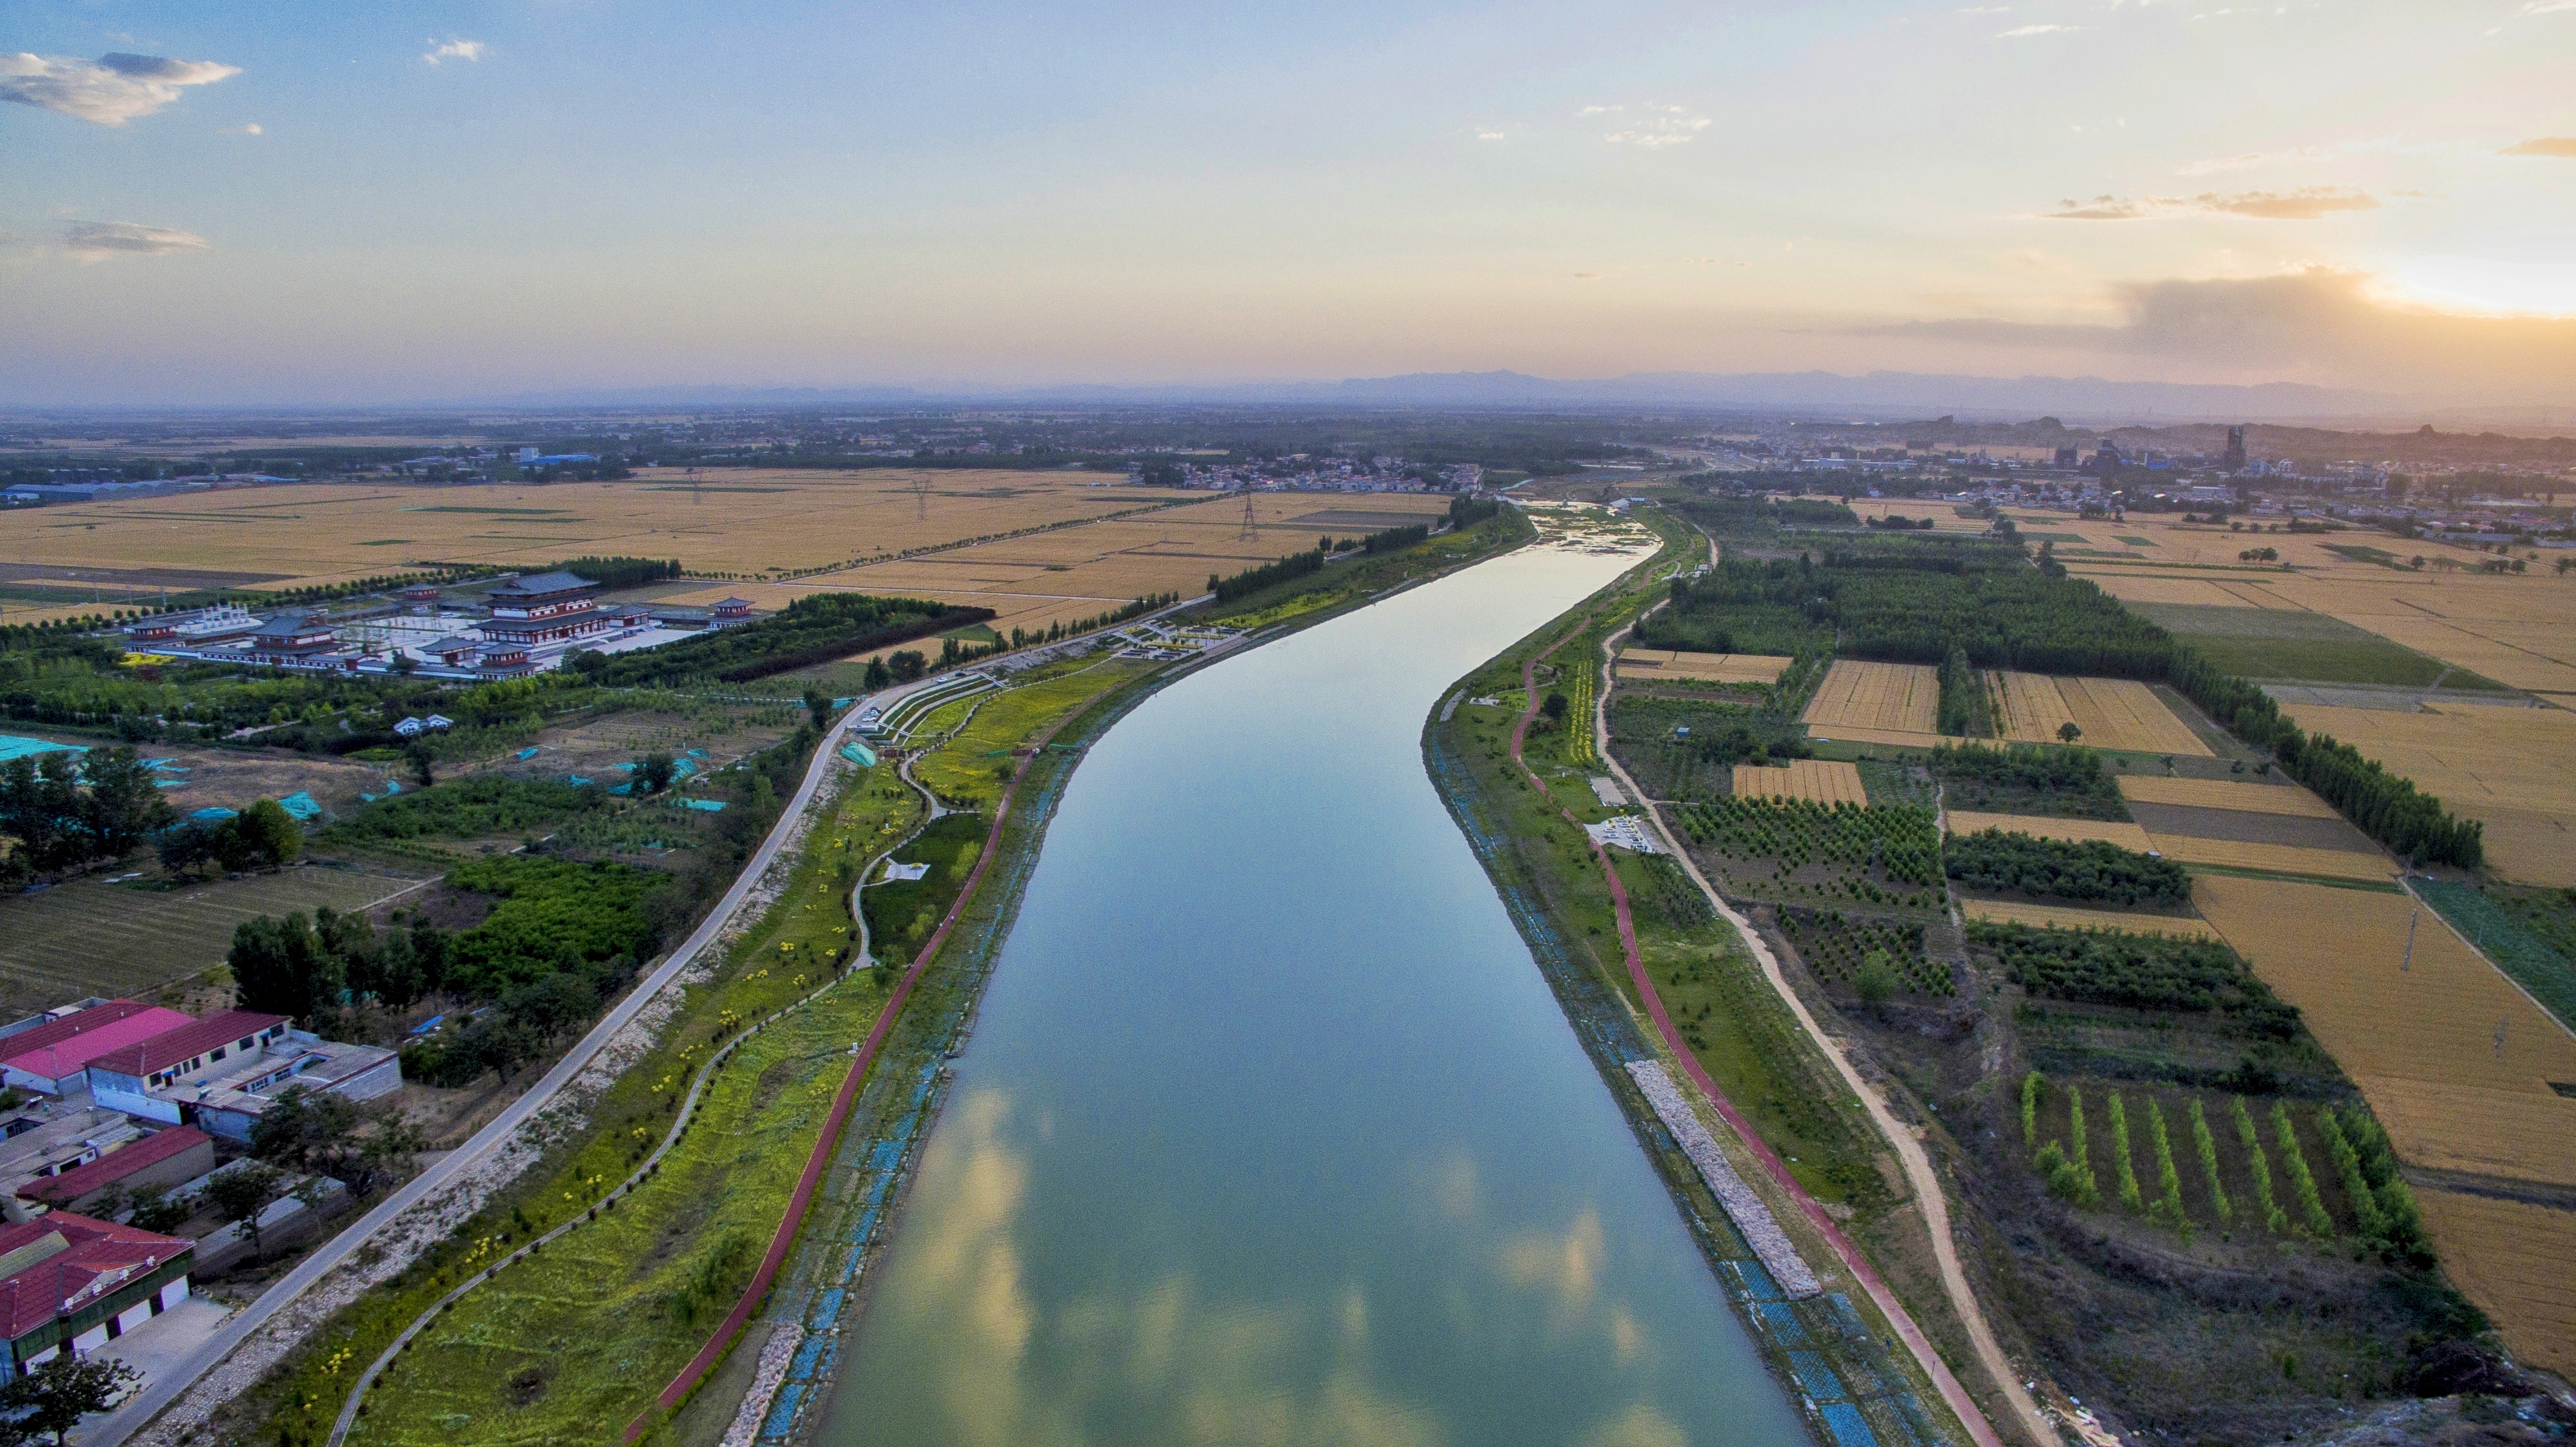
(526, 624)
(117, 1100)
(1303, 472)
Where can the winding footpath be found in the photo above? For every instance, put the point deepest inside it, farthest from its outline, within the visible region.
(1909, 1150)
(166, 1388)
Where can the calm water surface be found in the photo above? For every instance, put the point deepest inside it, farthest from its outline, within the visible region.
(1271, 1131)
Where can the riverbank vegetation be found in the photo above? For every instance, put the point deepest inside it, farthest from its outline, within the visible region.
(2156, 1145)
(529, 1348)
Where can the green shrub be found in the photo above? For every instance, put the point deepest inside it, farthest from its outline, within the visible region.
(2091, 869)
(2303, 1183)
(2127, 1173)
(2261, 1167)
(2030, 1109)
(2207, 1145)
(2148, 972)
(2368, 1222)
(2088, 1194)
(2168, 1204)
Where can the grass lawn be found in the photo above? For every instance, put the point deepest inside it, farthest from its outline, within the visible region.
(588, 1330)
(972, 768)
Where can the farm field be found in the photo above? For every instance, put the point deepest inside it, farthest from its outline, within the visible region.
(2056, 916)
(2512, 630)
(2512, 1258)
(748, 522)
(90, 937)
(2113, 713)
(2273, 858)
(2456, 1062)
(2288, 799)
(1881, 698)
(1823, 781)
(2272, 642)
(2514, 769)
(1081, 572)
(1645, 665)
(2073, 831)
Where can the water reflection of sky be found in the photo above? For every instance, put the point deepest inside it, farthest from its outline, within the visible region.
(1270, 1131)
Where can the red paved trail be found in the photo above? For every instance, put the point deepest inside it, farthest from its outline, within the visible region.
(785, 1239)
(1969, 1414)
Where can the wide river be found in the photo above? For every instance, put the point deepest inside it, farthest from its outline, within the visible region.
(1270, 1131)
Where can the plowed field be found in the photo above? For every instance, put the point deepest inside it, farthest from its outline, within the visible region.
(2074, 831)
(1648, 664)
(2114, 713)
(2052, 916)
(2222, 794)
(1901, 698)
(1822, 780)
(2512, 768)
(2512, 1260)
(2272, 858)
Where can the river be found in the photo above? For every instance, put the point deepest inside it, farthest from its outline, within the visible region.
(1270, 1130)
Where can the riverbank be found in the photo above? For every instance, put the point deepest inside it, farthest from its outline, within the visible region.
(1573, 909)
(768, 1389)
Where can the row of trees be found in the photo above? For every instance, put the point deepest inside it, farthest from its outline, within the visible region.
(67, 808)
(1253, 580)
(2091, 869)
(810, 630)
(2145, 972)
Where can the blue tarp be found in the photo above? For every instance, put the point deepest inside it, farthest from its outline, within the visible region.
(859, 754)
(697, 753)
(13, 746)
(300, 806)
(621, 788)
(575, 780)
(211, 816)
(527, 753)
(711, 806)
(161, 764)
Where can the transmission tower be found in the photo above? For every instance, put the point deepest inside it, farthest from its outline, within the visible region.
(1249, 531)
(921, 496)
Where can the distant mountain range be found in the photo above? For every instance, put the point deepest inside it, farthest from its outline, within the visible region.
(1910, 394)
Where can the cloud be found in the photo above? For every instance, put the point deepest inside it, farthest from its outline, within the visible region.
(251, 129)
(98, 240)
(1490, 136)
(2547, 7)
(110, 91)
(2018, 31)
(2562, 146)
(2251, 160)
(1662, 126)
(2304, 203)
(2319, 324)
(453, 49)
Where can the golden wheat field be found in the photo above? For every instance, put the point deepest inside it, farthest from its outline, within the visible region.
(2112, 713)
(2273, 858)
(2340, 955)
(2454, 1059)
(2286, 799)
(1821, 780)
(736, 521)
(2511, 1258)
(1648, 664)
(744, 522)
(2513, 769)
(1900, 698)
(2073, 831)
(2058, 916)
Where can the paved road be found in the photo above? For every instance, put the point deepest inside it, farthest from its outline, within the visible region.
(158, 1394)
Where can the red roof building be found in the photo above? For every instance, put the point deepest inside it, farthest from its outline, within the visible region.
(165, 1158)
(199, 1043)
(74, 1281)
(55, 1056)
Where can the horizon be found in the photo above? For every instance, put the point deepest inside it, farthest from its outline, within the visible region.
(331, 209)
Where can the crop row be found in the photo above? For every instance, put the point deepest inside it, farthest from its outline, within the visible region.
(1901, 840)
(1837, 948)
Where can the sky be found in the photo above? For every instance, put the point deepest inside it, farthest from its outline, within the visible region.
(292, 203)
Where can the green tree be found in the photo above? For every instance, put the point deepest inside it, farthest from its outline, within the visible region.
(53, 1398)
(124, 806)
(280, 967)
(309, 1132)
(1877, 980)
(819, 704)
(877, 676)
(240, 1194)
(653, 773)
(2068, 732)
